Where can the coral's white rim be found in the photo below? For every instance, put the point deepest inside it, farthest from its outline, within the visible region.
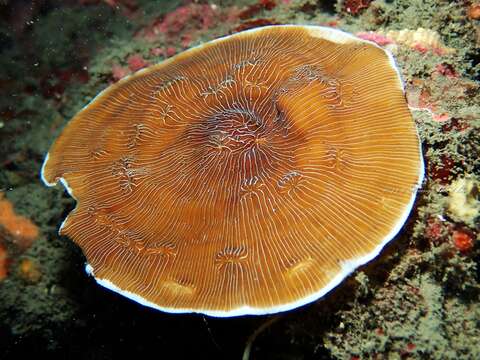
(42, 172)
(347, 267)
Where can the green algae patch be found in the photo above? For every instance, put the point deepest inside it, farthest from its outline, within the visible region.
(412, 317)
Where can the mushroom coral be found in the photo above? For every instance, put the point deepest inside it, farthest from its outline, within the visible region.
(249, 175)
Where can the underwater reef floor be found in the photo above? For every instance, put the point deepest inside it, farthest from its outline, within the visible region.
(419, 299)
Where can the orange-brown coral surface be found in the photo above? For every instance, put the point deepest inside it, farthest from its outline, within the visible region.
(244, 173)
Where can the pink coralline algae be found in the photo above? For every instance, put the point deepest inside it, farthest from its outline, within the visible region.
(136, 62)
(169, 51)
(378, 39)
(434, 230)
(192, 16)
(421, 40)
(119, 72)
(175, 21)
(446, 70)
(420, 99)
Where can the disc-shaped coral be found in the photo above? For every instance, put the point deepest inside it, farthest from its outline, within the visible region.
(248, 175)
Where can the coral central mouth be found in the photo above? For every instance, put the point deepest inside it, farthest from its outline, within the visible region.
(251, 143)
(235, 130)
